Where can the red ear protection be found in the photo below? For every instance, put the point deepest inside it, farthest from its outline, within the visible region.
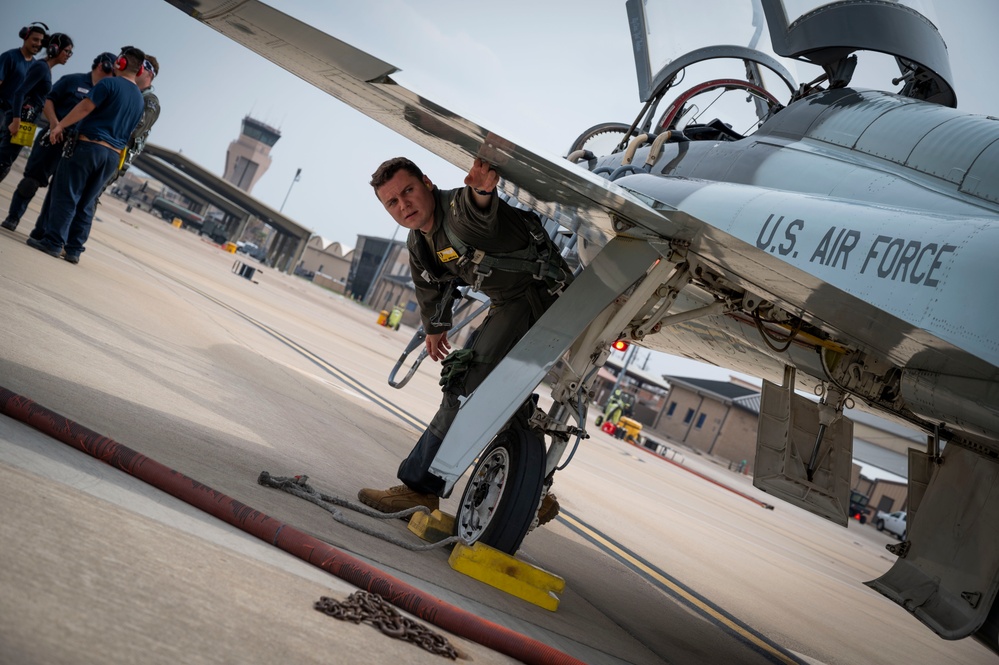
(27, 30)
(105, 61)
(121, 64)
(57, 43)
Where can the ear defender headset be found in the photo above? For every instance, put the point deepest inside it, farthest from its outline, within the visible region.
(106, 61)
(28, 29)
(121, 64)
(57, 43)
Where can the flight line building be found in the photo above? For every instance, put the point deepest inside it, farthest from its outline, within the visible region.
(718, 419)
(227, 199)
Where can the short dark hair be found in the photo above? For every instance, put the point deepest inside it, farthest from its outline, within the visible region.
(389, 168)
(37, 26)
(105, 61)
(133, 56)
(56, 43)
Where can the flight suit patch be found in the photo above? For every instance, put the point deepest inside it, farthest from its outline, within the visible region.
(447, 254)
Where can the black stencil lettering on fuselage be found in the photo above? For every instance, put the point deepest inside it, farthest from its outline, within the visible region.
(902, 260)
(835, 247)
(769, 241)
(887, 257)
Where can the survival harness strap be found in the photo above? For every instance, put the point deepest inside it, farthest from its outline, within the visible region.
(449, 293)
(540, 258)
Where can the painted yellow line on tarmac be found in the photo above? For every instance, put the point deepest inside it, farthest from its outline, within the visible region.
(692, 599)
(340, 374)
(332, 369)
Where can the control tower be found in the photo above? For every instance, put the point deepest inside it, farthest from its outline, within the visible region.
(248, 156)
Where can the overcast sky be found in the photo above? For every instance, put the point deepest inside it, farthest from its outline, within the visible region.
(538, 73)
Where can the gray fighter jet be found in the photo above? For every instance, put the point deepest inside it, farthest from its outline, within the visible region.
(829, 239)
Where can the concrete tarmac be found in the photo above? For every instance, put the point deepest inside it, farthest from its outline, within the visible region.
(153, 341)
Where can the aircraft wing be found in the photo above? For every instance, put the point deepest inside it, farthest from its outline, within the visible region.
(896, 319)
(598, 209)
(553, 187)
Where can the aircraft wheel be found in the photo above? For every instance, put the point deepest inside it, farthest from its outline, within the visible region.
(501, 498)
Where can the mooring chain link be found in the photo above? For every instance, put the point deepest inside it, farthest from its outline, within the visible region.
(366, 607)
(299, 486)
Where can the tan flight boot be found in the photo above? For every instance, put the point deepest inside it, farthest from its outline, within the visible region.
(397, 498)
(548, 510)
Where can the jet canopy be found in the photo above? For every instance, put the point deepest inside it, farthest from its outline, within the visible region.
(668, 38)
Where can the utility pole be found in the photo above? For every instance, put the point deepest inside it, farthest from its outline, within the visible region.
(298, 176)
(381, 266)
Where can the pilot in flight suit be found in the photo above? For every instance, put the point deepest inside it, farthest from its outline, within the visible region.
(464, 236)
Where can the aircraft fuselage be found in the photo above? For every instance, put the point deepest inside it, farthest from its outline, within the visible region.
(875, 214)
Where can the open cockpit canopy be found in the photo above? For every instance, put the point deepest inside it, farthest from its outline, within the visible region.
(669, 38)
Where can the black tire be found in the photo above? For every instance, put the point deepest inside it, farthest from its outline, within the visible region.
(501, 499)
(881, 525)
(599, 420)
(863, 519)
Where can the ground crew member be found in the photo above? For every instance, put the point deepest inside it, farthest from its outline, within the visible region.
(65, 94)
(34, 90)
(613, 410)
(446, 228)
(150, 114)
(14, 66)
(107, 117)
(394, 318)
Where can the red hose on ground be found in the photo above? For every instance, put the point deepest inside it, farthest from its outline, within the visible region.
(288, 538)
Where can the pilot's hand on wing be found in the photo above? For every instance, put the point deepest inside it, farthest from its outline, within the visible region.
(482, 177)
(437, 346)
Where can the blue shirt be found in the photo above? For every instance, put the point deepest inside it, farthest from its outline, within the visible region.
(37, 83)
(13, 69)
(117, 110)
(69, 91)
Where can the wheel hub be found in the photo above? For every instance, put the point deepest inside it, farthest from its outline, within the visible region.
(488, 481)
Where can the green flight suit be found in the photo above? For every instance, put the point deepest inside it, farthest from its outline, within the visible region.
(517, 301)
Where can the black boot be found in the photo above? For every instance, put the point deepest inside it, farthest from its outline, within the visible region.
(415, 469)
